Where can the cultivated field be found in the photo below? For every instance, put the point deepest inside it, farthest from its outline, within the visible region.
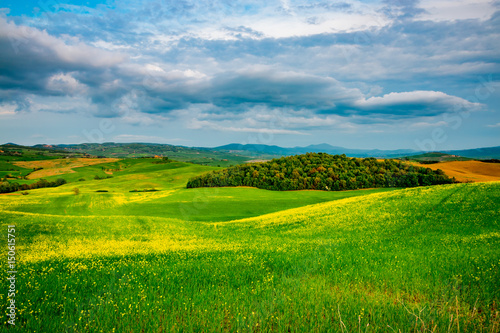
(243, 259)
(468, 171)
(59, 166)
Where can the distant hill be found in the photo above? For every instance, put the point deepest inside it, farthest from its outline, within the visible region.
(479, 153)
(14, 152)
(319, 148)
(256, 149)
(203, 156)
(236, 153)
(320, 171)
(435, 157)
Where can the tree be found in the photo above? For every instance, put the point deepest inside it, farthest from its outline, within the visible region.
(321, 171)
(76, 190)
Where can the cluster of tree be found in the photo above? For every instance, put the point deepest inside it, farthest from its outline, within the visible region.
(322, 171)
(145, 190)
(6, 187)
(163, 160)
(97, 177)
(428, 162)
(11, 153)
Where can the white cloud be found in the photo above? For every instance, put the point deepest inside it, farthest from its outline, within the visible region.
(449, 10)
(424, 124)
(433, 102)
(144, 138)
(205, 124)
(65, 83)
(71, 50)
(8, 109)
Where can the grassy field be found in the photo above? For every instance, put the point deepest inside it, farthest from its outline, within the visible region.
(12, 171)
(171, 199)
(203, 156)
(242, 259)
(58, 167)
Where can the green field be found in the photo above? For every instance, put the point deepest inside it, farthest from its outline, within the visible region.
(242, 259)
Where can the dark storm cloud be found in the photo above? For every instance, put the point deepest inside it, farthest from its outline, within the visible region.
(30, 57)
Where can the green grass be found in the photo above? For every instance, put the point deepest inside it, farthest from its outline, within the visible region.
(11, 170)
(435, 157)
(172, 200)
(24, 153)
(249, 260)
(200, 156)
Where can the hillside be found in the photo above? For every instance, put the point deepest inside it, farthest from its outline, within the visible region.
(236, 153)
(321, 172)
(12, 152)
(121, 188)
(276, 151)
(477, 153)
(258, 150)
(434, 157)
(468, 171)
(421, 259)
(203, 156)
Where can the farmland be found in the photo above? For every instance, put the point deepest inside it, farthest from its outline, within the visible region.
(468, 171)
(58, 166)
(136, 250)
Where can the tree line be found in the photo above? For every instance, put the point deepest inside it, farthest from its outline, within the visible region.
(321, 171)
(6, 187)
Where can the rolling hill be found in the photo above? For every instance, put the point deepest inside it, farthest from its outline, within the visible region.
(320, 171)
(467, 171)
(236, 153)
(274, 151)
(252, 260)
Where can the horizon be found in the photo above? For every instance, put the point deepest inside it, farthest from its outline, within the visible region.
(236, 143)
(386, 75)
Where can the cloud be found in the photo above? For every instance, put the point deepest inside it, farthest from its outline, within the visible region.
(425, 124)
(415, 103)
(8, 109)
(144, 138)
(449, 10)
(72, 52)
(494, 125)
(263, 85)
(65, 84)
(325, 65)
(32, 61)
(204, 124)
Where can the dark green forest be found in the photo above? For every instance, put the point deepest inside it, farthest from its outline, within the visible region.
(6, 187)
(320, 171)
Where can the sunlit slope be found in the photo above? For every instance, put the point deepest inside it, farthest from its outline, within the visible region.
(468, 171)
(420, 259)
(56, 167)
(171, 199)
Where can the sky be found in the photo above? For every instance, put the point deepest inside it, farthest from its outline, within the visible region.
(388, 74)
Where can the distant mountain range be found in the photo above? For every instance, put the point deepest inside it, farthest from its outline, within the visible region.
(240, 152)
(483, 153)
(255, 149)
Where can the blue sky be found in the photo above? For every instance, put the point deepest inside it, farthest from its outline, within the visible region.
(359, 74)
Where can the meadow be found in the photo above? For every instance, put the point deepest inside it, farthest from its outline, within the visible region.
(424, 259)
